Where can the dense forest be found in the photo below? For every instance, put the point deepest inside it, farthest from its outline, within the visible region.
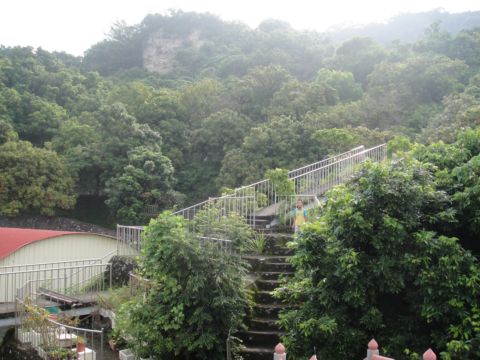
(185, 105)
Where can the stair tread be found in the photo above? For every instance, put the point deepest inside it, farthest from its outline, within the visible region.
(264, 332)
(270, 306)
(265, 292)
(256, 350)
(264, 320)
(270, 281)
(265, 257)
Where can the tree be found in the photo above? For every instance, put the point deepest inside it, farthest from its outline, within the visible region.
(39, 119)
(282, 143)
(403, 86)
(342, 82)
(358, 56)
(146, 180)
(296, 99)
(374, 266)
(196, 297)
(33, 180)
(255, 91)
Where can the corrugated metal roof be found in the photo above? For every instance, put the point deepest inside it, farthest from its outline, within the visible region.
(12, 239)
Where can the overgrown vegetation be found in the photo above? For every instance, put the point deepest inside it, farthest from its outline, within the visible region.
(194, 300)
(393, 256)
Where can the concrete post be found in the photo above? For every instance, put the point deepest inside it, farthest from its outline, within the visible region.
(372, 349)
(279, 353)
(429, 355)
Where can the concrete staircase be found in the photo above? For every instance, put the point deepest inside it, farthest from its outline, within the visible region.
(263, 333)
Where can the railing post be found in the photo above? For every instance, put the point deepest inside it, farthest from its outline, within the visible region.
(372, 349)
(65, 280)
(279, 353)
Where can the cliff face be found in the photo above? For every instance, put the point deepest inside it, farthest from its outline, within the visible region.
(160, 51)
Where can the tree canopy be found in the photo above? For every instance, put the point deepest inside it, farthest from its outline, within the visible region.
(224, 103)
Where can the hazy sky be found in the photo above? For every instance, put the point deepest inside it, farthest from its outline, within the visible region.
(74, 25)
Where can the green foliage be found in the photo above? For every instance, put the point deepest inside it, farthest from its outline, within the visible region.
(374, 266)
(399, 144)
(196, 296)
(358, 56)
(213, 222)
(147, 180)
(342, 82)
(228, 103)
(282, 185)
(255, 244)
(33, 180)
(115, 298)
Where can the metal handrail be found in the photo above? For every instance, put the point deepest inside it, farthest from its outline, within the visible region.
(45, 264)
(12, 282)
(54, 333)
(339, 161)
(314, 179)
(326, 160)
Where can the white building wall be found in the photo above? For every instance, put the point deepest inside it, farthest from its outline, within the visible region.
(53, 256)
(63, 248)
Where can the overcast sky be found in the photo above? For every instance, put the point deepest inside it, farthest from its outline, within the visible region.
(74, 25)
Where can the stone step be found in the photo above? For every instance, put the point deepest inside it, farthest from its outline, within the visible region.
(268, 285)
(262, 324)
(279, 250)
(266, 338)
(274, 275)
(257, 353)
(265, 297)
(268, 310)
(279, 237)
(264, 263)
(268, 266)
(266, 258)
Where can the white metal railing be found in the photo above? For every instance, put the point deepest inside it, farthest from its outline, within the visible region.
(151, 210)
(76, 279)
(313, 179)
(321, 179)
(13, 277)
(129, 239)
(16, 276)
(72, 281)
(46, 333)
(46, 265)
(322, 163)
(131, 236)
(261, 199)
(243, 205)
(138, 284)
(221, 244)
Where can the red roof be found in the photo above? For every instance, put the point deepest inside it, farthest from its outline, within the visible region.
(12, 239)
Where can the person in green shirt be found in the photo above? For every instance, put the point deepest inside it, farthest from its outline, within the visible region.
(299, 216)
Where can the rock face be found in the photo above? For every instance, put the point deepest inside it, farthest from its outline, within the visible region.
(160, 51)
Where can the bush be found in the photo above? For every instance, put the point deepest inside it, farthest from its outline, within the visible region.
(196, 296)
(374, 266)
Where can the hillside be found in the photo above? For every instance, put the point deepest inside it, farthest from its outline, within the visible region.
(408, 28)
(222, 105)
